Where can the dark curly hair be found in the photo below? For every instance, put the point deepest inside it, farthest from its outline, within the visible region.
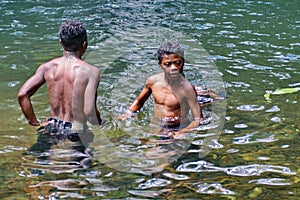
(72, 34)
(169, 47)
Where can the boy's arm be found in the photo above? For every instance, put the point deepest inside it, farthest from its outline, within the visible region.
(26, 91)
(90, 99)
(194, 104)
(138, 103)
(195, 110)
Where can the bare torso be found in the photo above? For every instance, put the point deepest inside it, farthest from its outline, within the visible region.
(169, 100)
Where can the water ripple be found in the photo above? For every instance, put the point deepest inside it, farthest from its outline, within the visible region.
(280, 75)
(273, 109)
(255, 137)
(240, 84)
(276, 119)
(154, 182)
(176, 176)
(198, 166)
(271, 181)
(70, 188)
(214, 188)
(250, 107)
(148, 193)
(244, 170)
(256, 170)
(240, 126)
(258, 67)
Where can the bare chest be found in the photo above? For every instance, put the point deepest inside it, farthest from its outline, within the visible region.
(166, 96)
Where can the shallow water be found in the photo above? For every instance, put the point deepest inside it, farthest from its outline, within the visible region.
(241, 49)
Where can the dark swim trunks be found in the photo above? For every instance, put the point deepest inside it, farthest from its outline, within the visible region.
(203, 96)
(62, 130)
(204, 99)
(169, 127)
(57, 126)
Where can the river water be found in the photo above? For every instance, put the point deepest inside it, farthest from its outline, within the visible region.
(241, 49)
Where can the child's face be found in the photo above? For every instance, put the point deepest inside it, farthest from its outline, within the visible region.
(172, 64)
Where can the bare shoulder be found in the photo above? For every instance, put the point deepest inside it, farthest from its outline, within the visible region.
(92, 69)
(49, 64)
(53, 64)
(154, 78)
(187, 86)
(86, 70)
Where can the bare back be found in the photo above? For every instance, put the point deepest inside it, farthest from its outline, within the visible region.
(72, 85)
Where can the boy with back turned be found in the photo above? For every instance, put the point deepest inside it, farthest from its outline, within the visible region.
(72, 84)
(173, 95)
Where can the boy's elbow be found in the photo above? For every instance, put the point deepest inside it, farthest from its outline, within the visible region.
(21, 96)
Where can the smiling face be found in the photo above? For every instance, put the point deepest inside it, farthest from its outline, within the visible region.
(172, 64)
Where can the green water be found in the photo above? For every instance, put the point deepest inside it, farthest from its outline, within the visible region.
(251, 48)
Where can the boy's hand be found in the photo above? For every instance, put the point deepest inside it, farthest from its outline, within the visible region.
(125, 116)
(176, 135)
(34, 123)
(44, 123)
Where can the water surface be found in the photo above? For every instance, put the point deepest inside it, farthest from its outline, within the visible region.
(255, 47)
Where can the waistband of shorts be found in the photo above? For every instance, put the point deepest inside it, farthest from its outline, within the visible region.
(59, 123)
(169, 119)
(172, 120)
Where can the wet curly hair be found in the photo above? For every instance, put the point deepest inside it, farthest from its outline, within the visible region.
(169, 47)
(72, 34)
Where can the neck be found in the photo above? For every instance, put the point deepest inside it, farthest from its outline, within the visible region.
(76, 54)
(173, 82)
